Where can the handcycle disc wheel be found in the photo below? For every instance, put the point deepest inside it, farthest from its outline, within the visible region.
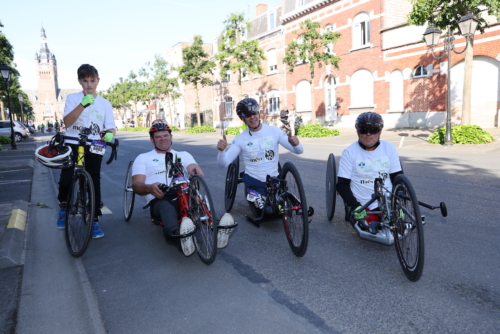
(128, 195)
(231, 184)
(202, 212)
(79, 213)
(295, 215)
(408, 232)
(331, 186)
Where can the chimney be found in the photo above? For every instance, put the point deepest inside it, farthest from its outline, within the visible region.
(261, 8)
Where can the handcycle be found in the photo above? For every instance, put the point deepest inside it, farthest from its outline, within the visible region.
(284, 195)
(80, 204)
(195, 202)
(400, 220)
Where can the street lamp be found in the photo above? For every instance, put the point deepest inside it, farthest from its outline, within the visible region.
(467, 25)
(6, 72)
(21, 100)
(221, 89)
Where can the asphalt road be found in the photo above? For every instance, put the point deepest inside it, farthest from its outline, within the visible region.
(131, 281)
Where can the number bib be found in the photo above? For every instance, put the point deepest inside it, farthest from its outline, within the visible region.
(97, 147)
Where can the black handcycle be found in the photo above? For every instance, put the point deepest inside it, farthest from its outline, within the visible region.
(400, 220)
(286, 198)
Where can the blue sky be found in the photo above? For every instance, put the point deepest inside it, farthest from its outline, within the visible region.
(114, 36)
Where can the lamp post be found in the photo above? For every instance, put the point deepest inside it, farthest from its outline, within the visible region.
(21, 100)
(467, 24)
(6, 72)
(221, 87)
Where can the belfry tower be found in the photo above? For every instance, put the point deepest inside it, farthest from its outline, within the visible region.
(46, 67)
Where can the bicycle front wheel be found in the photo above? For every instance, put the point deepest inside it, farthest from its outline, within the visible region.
(231, 183)
(201, 211)
(79, 213)
(294, 211)
(331, 187)
(128, 195)
(408, 232)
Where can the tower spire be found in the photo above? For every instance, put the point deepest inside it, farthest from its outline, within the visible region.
(44, 49)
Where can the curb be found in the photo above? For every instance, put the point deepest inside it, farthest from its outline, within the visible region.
(12, 251)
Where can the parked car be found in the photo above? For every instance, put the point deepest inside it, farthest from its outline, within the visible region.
(31, 129)
(119, 124)
(20, 131)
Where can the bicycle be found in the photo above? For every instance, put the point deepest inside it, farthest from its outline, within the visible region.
(195, 202)
(400, 220)
(285, 195)
(80, 204)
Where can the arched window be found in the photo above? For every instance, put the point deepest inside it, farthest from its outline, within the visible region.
(273, 102)
(329, 47)
(361, 30)
(396, 91)
(420, 71)
(303, 94)
(362, 88)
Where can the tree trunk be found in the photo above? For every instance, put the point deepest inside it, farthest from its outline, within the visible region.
(466, 101)
(198, 106)
(135, 116)
(313, 112)
(170, 109)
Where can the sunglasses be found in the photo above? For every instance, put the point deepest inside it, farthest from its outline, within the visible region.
(367, 129)
(249, 113)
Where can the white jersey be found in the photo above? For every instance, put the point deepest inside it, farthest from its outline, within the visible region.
(96, 116)
(260, 151)
(363, 167)
(152, 164)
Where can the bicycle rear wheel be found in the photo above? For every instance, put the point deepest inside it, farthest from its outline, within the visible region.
(231, 183)
(408, 232)
(128, 195)
(331, 187)
(79, 213)
(294, 211)
(201, 211)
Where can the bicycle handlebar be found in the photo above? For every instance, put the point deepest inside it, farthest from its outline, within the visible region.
(83, 138)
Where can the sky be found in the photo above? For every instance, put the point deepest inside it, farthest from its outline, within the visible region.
(114, 36)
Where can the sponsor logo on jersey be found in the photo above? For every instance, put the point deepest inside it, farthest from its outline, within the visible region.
(269, 154)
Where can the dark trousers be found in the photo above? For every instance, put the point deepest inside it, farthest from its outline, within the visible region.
(167, 210)
(254, 184)
(93, 166)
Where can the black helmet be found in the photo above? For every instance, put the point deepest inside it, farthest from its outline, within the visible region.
(159, 125)
(369, 122)
(247, 107)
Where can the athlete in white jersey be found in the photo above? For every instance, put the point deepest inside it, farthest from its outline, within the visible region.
(259, 147)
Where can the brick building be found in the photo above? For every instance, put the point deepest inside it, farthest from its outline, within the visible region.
(385, 67)
(48, 100)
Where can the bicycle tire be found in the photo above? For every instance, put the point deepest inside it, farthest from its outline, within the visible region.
(331, 187)
(128, 194)
(79, 213)
(295, 221)
(231, 184)
(202, 212)
(408, 232)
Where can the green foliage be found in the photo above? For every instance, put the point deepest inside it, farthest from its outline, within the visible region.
(444, 14)
(462, 134)
(235, 130)
(174, 128)
(315, 131)
(0, 147)
(5, 140)
(200, 129)
(144, 129)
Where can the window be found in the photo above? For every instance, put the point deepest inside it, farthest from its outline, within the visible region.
(301, 3)
(228, 105)
(48, 110)
(330, 99)
(215, 46)
(361, 30)
(300, 40)
(273, 102)
(420, 71)
(272, 21)
(303, 96)
(228, 77)
(271, 60)
(396, 91)
(362, 88)
(329, 47)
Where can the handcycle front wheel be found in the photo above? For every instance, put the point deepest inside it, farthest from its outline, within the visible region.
(231, 183)
(331, 187)
(128, 195)
(202, 212)
(295, 210)
(79, 213)
(408, 232)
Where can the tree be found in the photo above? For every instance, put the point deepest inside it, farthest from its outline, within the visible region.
(445, 15)
(196, 65)
(118, 95)
(7, 58)
(138, 92)
(237, 55)
(311, 48)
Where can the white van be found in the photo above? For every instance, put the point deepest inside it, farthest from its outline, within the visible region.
(119, 124)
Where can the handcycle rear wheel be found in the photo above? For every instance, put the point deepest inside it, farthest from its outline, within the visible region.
(128, 195)
(231, 183)
(331, 186)
(79, 213)
(408, 233)
(295, 214)
(202, 212)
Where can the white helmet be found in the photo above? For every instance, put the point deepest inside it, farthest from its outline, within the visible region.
(55, 155)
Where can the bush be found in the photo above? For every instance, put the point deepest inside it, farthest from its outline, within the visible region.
(235, 130)
(462, 134)
(315, 131)
(200, 129)
(174, 128)
(143, 129)
(5, 140)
